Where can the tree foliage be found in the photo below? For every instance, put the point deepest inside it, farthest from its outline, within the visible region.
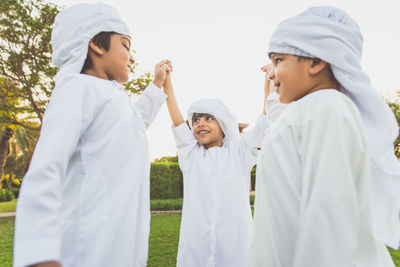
(395, 106)
(27, 77)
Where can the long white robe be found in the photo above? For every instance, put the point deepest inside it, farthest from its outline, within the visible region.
(85, 199)
(216, 217)
(313, 189)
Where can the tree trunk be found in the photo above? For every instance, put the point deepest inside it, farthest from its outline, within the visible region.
(4, 149)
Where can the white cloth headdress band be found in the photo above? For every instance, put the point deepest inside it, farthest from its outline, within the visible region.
(74, 27)
(225, 118)
(330, 34)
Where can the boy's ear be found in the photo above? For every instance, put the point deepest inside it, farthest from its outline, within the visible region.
(317, 65)
(97, 49)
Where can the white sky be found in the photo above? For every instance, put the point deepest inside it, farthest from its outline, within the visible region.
(217, 47)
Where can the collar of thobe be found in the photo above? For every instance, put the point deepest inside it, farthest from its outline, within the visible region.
(74, 27)
(224, 116)
(330, 34)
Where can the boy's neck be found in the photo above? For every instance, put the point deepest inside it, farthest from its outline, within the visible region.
(208, 146)
(96, 73)
(324, 84)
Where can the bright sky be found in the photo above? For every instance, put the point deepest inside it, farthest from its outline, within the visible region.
(217, 47)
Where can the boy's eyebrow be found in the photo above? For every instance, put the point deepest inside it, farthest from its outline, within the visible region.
(200, 115)
(273, 55)
(127, 38)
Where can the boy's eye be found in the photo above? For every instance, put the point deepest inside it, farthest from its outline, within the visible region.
(277, 60)
(209, 118)
(126, 47)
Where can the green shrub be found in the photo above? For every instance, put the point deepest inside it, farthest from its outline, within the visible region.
(166, 180)
(166, 204)
(15, 192)
(6, 195)
(252, 200)
(253, 178)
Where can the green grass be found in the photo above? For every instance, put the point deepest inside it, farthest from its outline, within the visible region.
(164, 237)
(163, 242)
(8, 206)
(6, 241)
(395, 256)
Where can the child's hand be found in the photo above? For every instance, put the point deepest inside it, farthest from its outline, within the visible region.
(168, 81)
(268, 84)
(160, 73)
(170, 67)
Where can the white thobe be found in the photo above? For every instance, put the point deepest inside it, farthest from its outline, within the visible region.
(216, 217)
(313, 188)
(85, 199)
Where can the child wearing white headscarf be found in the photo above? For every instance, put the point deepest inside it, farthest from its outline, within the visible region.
(216, 217)
(85, 198)
(328, 182)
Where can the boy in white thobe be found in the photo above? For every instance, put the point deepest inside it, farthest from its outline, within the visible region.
(85, 199)
(327, 166)
(216, 163)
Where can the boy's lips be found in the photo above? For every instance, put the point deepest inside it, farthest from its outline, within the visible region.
(202, 132)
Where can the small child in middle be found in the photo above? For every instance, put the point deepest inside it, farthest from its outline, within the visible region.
(216, 164)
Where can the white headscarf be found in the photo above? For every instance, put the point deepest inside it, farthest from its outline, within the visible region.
(330, 34)
(74, 27)
(225, 118)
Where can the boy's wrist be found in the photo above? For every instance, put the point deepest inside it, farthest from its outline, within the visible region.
(158, 83)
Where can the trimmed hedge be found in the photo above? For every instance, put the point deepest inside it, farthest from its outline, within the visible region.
(166, 204)
(166, 180)
(253, 178)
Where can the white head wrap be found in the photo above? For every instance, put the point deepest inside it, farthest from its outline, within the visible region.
(74, 27)
(225, 118)
(330, 34)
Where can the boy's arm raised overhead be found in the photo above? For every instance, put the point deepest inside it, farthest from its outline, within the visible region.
(152, 98)
(252, 138)
(38, 219)
(173, 108)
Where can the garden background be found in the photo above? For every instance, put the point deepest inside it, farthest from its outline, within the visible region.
(26, 82)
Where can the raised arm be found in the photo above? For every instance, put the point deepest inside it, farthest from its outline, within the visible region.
(173, 108)
(268, 87)
(150, 101)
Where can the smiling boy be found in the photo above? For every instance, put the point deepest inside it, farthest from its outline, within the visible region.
(328, 182)
(216, 164)
(85, 198)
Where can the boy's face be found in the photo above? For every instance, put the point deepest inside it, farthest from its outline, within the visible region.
(207, 130)
(118, 60)
(290, 77)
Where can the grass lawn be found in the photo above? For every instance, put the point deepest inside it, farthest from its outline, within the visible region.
(6, 241)
(8, 206)
(163, 243)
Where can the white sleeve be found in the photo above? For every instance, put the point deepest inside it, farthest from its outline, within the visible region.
(274, 108)
(38, 222)
(186, 143)
(335, 164)
(149, 103)
(252, 140)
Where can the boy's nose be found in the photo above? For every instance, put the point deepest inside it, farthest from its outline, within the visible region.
(131, 60)
(271, 74)
(202, 121)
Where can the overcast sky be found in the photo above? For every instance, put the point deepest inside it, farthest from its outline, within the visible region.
(218, 46)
